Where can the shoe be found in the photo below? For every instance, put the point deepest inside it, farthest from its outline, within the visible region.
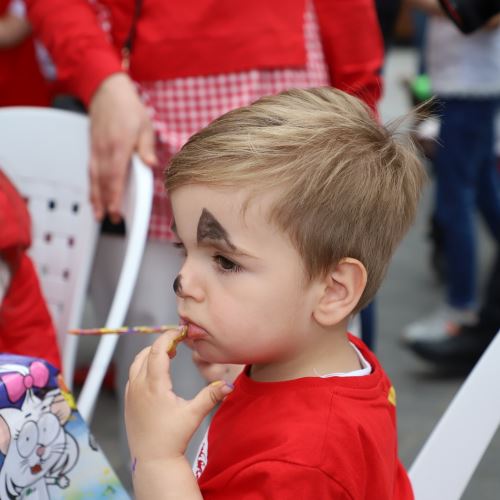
(426, 135)
(443, 323)
(463, 350)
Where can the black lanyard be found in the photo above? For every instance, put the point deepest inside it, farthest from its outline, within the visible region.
(128, 45)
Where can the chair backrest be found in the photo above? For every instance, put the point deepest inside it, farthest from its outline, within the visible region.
(45, 152)
(448, 459)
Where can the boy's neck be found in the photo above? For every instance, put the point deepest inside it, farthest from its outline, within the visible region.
(329, 352)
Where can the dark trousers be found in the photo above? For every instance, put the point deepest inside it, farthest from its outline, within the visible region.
(467, 182)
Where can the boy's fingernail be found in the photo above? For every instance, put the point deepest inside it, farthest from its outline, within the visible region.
(227, 389)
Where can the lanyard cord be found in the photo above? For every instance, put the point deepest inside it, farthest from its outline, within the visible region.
(128, 45)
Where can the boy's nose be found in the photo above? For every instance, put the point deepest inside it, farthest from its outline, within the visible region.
(186, 286)
(178, 285)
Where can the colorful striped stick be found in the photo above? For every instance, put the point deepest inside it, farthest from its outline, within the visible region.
(122, 330)
(125, 330)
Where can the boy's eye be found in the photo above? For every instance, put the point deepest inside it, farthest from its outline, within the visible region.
(226, 265)
(180, 246)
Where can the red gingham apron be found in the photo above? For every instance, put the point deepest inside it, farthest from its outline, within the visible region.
(182, 106)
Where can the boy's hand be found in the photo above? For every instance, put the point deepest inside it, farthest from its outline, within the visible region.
(159, 423)
(212, 372)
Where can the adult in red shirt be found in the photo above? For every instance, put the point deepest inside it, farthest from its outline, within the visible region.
(168, 40)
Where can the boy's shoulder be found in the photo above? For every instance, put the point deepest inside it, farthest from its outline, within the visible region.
(329, 411)
(342, 427)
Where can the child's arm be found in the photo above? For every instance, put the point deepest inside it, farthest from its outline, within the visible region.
(160, 425)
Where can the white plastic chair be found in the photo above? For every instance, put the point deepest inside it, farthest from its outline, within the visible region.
(45, 152)
(448, 459)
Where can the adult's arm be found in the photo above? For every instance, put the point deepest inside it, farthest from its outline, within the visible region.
(82, 53)
(353, 47)
(89, 66)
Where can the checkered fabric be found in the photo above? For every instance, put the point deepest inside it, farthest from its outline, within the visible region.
(182, 106)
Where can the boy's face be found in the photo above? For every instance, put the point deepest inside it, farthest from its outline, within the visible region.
(242, 288)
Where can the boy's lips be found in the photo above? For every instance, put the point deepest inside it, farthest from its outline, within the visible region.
(194, 332)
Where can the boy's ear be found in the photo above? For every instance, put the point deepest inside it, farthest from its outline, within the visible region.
(340, 292)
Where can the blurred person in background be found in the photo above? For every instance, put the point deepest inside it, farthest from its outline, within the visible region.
(463, 350)
(465, 76)
(158, 72)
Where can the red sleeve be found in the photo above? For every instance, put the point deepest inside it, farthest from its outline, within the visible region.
(353, 46)
(26, 326)
(277, 479)
(81, 52)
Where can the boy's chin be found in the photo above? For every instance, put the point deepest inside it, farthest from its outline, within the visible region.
(210, 355)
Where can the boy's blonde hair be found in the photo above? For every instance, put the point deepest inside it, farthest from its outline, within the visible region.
(347, 187)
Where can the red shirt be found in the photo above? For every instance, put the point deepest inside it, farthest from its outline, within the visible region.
(310, 438)
(26, 327)
(205, 37)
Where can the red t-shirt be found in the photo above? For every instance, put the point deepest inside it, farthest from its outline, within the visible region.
(310, 438)
(26, 327)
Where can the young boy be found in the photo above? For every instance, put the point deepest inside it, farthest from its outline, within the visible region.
(288, 211)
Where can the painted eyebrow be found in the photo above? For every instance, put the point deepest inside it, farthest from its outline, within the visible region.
(209, 228)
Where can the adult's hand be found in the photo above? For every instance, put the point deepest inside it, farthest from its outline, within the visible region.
(119, 125)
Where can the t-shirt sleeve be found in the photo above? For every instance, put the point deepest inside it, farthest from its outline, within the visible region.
(278, 480)
(70, 31)
(353, 47)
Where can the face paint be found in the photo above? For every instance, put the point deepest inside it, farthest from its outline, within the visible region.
(178, 285)
(209, 228)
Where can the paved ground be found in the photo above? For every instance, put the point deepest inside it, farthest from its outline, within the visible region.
(409, 292)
